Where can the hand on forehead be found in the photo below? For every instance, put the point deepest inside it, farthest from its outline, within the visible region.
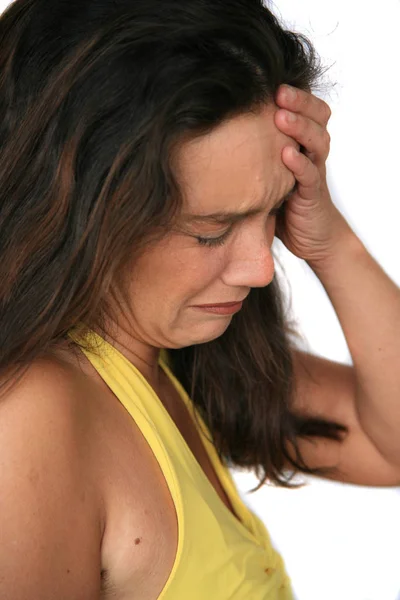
(236, 165)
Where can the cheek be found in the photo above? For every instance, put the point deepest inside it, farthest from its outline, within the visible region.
(171, 276)
(196, 273)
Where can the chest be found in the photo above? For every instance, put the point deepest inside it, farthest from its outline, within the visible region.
(188, 430)
(141, 536)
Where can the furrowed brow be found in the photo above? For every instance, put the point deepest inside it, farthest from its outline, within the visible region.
(228, 217)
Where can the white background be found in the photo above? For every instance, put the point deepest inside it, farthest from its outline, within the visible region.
(342, 542)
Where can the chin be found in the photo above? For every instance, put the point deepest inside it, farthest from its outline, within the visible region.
(209, 334)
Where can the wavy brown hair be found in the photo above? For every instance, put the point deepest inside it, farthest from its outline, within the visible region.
(96, 96)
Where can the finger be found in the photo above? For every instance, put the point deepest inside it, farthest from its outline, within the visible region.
(314, 138)
(305, 172)
(305, 103)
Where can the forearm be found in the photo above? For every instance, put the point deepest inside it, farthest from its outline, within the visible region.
(367, 303)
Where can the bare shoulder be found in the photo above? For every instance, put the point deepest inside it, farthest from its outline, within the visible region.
(50, 515)
(44, 416)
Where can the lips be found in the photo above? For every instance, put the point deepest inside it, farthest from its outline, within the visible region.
(225, 305)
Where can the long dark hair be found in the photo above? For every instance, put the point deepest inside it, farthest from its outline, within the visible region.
(95, 97)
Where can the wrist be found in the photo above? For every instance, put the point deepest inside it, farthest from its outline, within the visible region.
(343, 245)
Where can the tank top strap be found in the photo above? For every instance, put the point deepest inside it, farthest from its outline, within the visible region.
(236, 557)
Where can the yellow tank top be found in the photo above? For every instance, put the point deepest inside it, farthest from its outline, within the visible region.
(218, 557)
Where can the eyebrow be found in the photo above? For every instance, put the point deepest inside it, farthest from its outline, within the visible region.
(226, 217)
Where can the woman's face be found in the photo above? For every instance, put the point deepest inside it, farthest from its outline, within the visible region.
(235, 169)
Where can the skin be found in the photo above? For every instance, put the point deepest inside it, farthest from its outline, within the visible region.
(236, 168)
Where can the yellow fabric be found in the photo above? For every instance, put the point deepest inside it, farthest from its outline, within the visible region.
(218, 557)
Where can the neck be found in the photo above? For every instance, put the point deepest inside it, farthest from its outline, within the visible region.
(143, 356)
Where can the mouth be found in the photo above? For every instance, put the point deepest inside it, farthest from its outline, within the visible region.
(226, 308)
(220, 305)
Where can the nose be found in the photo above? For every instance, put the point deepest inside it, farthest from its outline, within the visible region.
(251, 265)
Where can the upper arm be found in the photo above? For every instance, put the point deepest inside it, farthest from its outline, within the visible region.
(327, 390)
(50, 534)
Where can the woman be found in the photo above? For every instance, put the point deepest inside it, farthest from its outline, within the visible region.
(146, 166)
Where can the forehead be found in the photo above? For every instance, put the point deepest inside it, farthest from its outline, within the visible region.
(236, 166)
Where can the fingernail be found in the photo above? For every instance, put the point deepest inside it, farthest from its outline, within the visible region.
(290, 117)
(290, 93)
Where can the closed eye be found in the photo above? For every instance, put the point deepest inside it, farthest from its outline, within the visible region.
(220, 240)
